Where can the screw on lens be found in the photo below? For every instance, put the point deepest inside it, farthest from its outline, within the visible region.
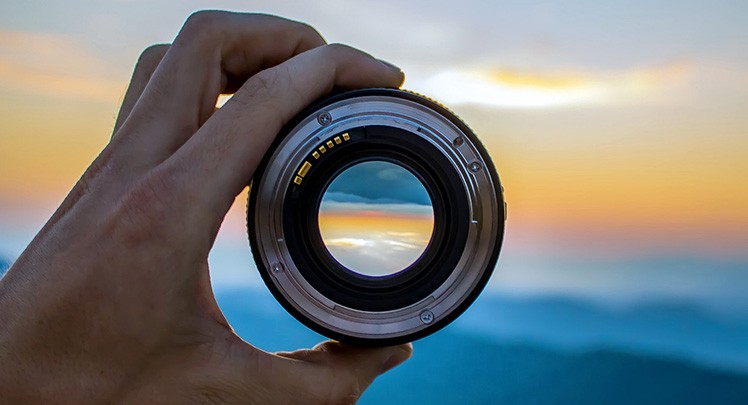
(427, 317)
(324, 118)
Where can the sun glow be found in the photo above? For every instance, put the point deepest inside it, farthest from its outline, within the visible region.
(492, 89)
(514, 88)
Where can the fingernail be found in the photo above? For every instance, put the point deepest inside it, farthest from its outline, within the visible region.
(391, 66)
(402, 353)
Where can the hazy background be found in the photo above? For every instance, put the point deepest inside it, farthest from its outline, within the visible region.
(620, 130)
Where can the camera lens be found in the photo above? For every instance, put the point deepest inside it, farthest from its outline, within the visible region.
(376, 217)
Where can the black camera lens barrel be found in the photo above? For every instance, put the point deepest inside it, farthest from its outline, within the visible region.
(376, 125)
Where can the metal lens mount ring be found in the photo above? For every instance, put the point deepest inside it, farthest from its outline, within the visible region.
(394, 126)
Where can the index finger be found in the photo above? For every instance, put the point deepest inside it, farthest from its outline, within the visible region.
(218, 161)
(213, 52)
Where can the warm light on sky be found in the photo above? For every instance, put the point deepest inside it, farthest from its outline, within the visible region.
(526, 89)
(620, 130)
(376, 218)
(376, 245)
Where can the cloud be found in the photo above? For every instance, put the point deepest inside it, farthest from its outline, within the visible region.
(377, 182)
(377, 188)
(526, 79)
(377, 253)
(340, 196)
(517, 88)
(397, 243)
(58, 66)
(347, 242)
(346, 202)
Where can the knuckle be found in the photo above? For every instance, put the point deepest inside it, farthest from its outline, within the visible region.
(298, 29)
(264, 84)
(340, 50)
(202, 23)
(309, 32)
(153, 53)
(258, 18)
(202, 18)
(151, 57)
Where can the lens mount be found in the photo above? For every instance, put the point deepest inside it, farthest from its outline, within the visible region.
(384, 125)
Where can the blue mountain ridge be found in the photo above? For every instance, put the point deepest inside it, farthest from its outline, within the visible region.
(461, 365)
(659, 328)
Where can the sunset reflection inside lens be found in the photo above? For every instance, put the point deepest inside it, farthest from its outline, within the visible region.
(376, 218)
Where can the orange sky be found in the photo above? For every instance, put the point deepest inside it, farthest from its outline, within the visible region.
(613, 143)
(342, 224)
(652, 169)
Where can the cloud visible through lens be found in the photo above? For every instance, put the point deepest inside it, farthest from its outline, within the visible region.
(376, 218)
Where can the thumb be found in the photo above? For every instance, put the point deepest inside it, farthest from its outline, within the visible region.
(366, 363)
(353, 368)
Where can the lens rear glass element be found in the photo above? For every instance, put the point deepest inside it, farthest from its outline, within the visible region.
(376, 218)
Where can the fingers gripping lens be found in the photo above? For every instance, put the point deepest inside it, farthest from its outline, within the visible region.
(376, 217)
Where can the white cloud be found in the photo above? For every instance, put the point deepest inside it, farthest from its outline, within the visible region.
(507, 88)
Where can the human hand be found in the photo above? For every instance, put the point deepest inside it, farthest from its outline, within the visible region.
(112, 302)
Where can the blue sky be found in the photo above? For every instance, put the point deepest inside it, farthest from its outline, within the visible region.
(377, 182)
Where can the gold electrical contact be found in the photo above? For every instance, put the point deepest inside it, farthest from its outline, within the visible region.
(304, 169)
(316, 154)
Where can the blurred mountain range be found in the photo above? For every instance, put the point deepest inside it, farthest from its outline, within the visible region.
(450, 368)
(541, 350)
(665, 329)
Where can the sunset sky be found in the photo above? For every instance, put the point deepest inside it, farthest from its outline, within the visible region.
(620, 129)
(376, 218)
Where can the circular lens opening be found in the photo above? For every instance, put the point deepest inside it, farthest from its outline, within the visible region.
(376, 218)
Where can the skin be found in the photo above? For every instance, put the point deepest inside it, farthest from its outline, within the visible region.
(112, 302)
